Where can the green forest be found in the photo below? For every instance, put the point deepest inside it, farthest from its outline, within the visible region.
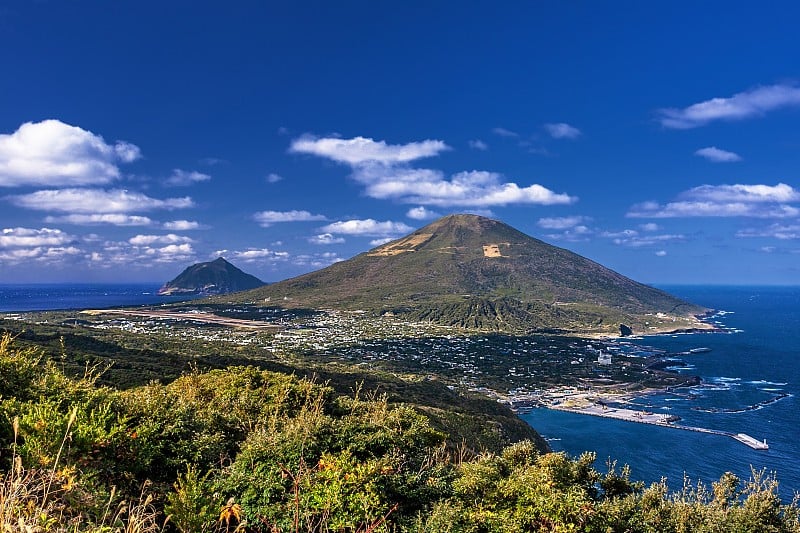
(254, 450)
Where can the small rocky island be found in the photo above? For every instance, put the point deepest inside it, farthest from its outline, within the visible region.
(213, 277)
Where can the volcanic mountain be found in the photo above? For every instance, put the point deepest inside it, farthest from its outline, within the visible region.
(214, 277)
(471, 271)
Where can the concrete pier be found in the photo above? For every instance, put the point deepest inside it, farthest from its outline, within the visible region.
(644, 417)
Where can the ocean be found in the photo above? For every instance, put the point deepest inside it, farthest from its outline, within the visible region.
(755, 362)
(751, 384)
(45, 297)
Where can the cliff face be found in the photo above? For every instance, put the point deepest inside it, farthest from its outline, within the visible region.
(214, 277)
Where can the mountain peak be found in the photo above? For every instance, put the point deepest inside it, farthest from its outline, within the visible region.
(213, 277)
(474, 271)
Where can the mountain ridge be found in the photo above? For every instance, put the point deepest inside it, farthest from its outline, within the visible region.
(472, 271)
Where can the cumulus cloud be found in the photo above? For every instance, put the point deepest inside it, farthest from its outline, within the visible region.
(114, 219)
(183, 178)
(58, 154)
(650, 226)
(46, 245)
(94, 201)
(316, 260)
(367, 227)
(712, 153)
(576, 233)
(172, 253)
(325, 238)
(182, 225)
(561, 222)
(477, 144)
(273, 178)
(142, 251)
(360, 150)
(634, 239)
(562, 130)
(28, 237)
(422, 213)
(744, 193)
(753, 103)
(254, 255)
(757, 201)
(661, 253)
(44, 255)
(384, 172)
(469, 189)
(774, 231)
(148, 240)
(268, 218)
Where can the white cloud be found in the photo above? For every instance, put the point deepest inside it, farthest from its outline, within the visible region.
(650, 226)
(774, 231)
(633, 239)
(254, 255)
(623, 234)
(368, 227)
(477, 144)
(142, 251)
(384, 172)
(421, 213)
(94, 201)
(268, 218)
(469, 189)
(28, 237)
(756, 201)
(381, 241)
(56, 154)
(661, 253)
(561, 222)
(578, 233)
(711, 209)
(360, 150)
(502, 132)
(747, 104)
(147, 240)
(325, 238)
(316, 260)
(562, 130)
(45, 245)
(114, 219)
(712, 153)
(744, 193)
(183, 178)
(182, 225)
(273, 178)
(172, 253)
(50, 256)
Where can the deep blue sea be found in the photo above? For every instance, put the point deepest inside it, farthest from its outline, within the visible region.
(41, 297)
(743, 374)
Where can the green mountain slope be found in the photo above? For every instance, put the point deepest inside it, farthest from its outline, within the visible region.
(472, 271)
(214, 277)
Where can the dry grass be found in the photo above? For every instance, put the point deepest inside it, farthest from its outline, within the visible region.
(35, 501)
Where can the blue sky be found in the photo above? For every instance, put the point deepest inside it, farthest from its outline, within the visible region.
(660, 139)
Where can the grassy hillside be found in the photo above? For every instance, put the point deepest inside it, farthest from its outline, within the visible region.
(243, 449)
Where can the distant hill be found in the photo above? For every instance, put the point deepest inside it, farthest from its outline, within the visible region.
(472, 271)
(213, 277)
